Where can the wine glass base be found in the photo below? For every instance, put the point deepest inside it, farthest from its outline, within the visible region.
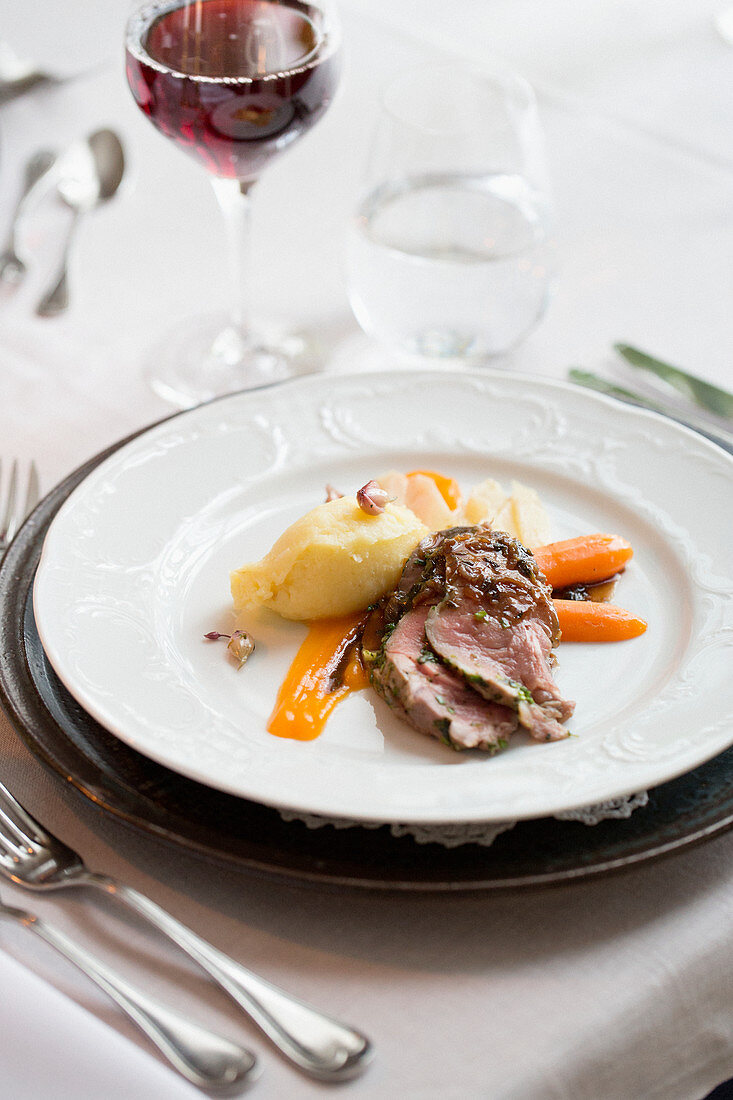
(209, 357)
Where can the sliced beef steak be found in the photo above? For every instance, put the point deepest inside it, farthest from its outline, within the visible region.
(432, 698)
(462, 648)
(496, 626)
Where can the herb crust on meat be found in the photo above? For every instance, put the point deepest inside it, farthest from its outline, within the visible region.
(462, 648)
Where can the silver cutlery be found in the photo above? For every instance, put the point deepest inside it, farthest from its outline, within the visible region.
(630, 397)
(17, 507)
(12, 268)
(89, 174)
(18, 76)
(712, 398)
(318, 1044)
(206, 1059)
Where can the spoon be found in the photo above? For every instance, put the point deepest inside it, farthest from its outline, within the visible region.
(18, 76)
(12, 268)
(89, 174)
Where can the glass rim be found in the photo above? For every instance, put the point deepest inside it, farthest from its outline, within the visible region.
(517, 87)
(146, 13)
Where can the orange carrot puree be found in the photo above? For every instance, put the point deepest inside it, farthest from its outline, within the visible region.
(448, 487)
(307, 695)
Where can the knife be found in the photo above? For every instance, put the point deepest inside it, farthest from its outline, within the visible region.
(592, 381)
(705, 394)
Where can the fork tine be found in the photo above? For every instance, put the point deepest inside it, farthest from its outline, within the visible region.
(15, 512)
(9, 519)
(12, 840)
(33, 491)
(28, 831)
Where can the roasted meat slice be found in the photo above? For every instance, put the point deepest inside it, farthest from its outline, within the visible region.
(496, 626)
(432, 698)
(423, 576)
(462, 648)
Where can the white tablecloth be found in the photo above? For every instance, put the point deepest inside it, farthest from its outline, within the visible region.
(605, 990)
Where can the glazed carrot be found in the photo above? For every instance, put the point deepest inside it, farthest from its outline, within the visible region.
(448, 487)
(584, 621)
(582, 560)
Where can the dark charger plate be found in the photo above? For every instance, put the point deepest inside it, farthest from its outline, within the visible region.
(233, 831)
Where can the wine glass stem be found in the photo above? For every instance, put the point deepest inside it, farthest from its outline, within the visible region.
(236, 206)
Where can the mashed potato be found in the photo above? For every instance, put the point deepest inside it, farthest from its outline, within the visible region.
(332, 561)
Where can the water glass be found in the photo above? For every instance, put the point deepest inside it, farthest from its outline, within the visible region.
(449, 252)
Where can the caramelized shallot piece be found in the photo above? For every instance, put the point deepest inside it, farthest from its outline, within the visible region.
(372, 498)
(241, 645)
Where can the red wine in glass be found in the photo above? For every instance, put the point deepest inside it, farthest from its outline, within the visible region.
(233, 82)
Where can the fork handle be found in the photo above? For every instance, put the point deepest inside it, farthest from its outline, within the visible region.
(207, 1060)
(317, 1044)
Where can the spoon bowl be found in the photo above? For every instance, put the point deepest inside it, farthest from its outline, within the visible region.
(93, 172)
(88, 174)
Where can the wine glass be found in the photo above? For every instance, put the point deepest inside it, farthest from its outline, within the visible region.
(449, 254)
(233, 83)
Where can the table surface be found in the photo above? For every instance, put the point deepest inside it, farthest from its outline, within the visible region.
(606, 989)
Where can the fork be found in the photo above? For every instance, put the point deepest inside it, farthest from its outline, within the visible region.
(207, 1060)
(318, 1044)
(15, 509)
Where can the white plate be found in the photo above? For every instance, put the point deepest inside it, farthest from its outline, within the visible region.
(135, 569)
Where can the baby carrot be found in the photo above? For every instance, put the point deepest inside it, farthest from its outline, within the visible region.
(582, 560)
(584, 621)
